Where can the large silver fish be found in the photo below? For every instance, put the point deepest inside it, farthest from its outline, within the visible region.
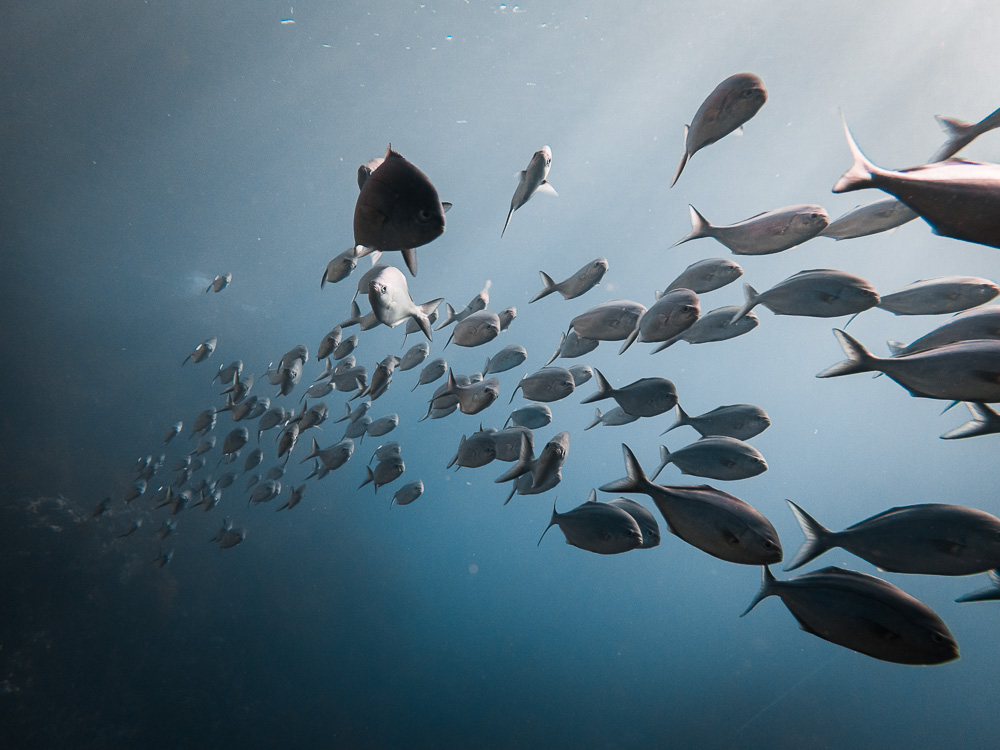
(981, 323)
(646, 397)
(817, 293)
(932, 539)
(477, 329)
(609, 321)
(673, 313)
(548, 384)
(763, 234)
(871, 218)
(511, 356)
(576, 285)
(597, 527)
(958, 198)
(740, 421)
(939, 296)
(715, 457)
(390, 299)
(715, 325)
(863, 613)
(530, 181)
(731, 103)
(705, 276)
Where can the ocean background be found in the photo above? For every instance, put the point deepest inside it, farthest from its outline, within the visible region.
(148, 146)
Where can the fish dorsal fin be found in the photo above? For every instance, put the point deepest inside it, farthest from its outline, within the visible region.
(593, 496)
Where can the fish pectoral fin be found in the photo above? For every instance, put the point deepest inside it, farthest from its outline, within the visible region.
(546, 189)
(731, 539)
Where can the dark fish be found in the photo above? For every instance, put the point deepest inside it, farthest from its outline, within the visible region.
(219, 283)
(961, 134)
(477, 450)
(294, 497)
(647, 521)
(201, 352)
(646, 397)
(958, 198)
(329, 343)
(740, 421)
(731, 103)
(715, 457)
(597, 527)
(408, 492)
(863, 613)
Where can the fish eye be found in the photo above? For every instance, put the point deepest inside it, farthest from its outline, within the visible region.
(768, 544)
(423, 214)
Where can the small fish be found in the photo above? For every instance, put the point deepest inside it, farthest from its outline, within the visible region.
(173, 432)
(383, 426)
(385, 472)
(357, 428)
(163, 559)
(477, 303)
(203, 447)
(475, 397)
(530, 181)
(946, 294)
(871, 218)
(863, 613)
(294, 497)
(381, 380)
(265, 491)
(958, 198)
(581, 374)
(202, 352)
(391, 303)
(532, 416)
(408, 492)
(413, 325)
(715, 325)
(989, 594)
(227, 536)
(511, 356)
(705, 276)
(235, 440)
(961, 134)
(576, 285)
(334, 457)
(384, 451)
(366, 321)
(166, 529)
(253, 460)
(818, 293)
(572, 346)
(646, 397)
(509, 443)
(272, 418)
(314, 416)
(101, 508)
(433, 370)
(985, 421)
(731, 103)
(329, 343)
(364, 283)
(597, 527)
(672, 314)
(614, 418)
(414, 356)
(548, 384)
(647, 522)
(763, 234)
(507, 316)
(477, 329)
(132, 528)
(536, 475)
(340, 267)
(715, 457)
(224, 481)
(219, 283)
(475, 451)
(226, 373)
(136, 489)
(739, 421)
(610, 321)
(287, 439)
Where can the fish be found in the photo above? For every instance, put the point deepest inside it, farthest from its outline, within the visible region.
(334, 457)
(294, 497)
(101, 508)
(989, 594)
(265, 491)
(202, 352)
(166, 529)
(366, 169)
(614, 418)
(381, 379)
(274, 416)
(477, 329)
(408, 492)
(287, 439)
(384, 451)
(507, 317)
(871, 218)
(228, 537)
(672, 314)
(383, 425)
(508, 443)
(219, 283)
(366, 321)
(226, 373)
(576, 285)
(536, 475)
(366, 279)
(253, 460)
(357, 428)
(413, 325)
(985, 421)
(961, 134)
(717, 523)
(646, 397)
(530, 181)
(739, 421)
(732, 103)
(132, 528)
(475, 451)
(235, 440)
(597, 527)
(226, 480)
(239, 389)
(136, 490)
(548, 384)
(384, 473)
(715, 457)
(329, 343)
(816, 293)
(864, 614)
(581, 374)
(705, 276)
(475, 397)
(314, 416)
(398, 208)
(477, 303)
(932, 539)
(964, 371)
(957, 198)
(433, 370)
(646, 521)
(715, 325)
(204, 446)
(764, 234)
(345, 347)
(531, 416)
(414, 356)
(163, 559)
(980, 323)
(252, 481)
(275, 473)
(572, 346)
(939, 296)
(609, 321)
(390, 299)
(174, 431)
(340, 267)
(511, 356)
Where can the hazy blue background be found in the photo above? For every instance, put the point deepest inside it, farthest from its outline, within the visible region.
(146, 147)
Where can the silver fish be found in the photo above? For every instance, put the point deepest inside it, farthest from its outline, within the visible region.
(226, 373)
(532, 416)
(408, 492)
(287, 439)
(946, 294)
(314, 416)
(610, 321)
(253, 460)
(614, 418)
(272, 418)
(672, 314)
(705, 276)
(740, 421)
(235, 440)
(294, 497)
(731, 103)
(965, 371)
(958, 198)
(275, 473)
(340, 267)
(985, 421)
(384, 451)
(475, 397)
(204, 446)
(572, 346)
(548, 384)
(871, 218)
(433, 370)
(329, 343)
(981, 323)
(715, 522)
(647, 522)
(817, 293)
(477, 329)
(385, 472)
(477, 450)
(961, 134)
(381, 379)
(715, 325)
(366, 279)
(536, 475)
(989, 594)
(383, 425)
(357, 428)
(863, 613)
(366, 321)
(763, 234)
(414, 356)
(597, 527)
(933, 539)
(530, 181)
(507, 317)
(646, 397)
(334, 457)
(477, 303)
(413, 325)
(576, 285)
(581, 374)
(226, 480)
(715, 457)
(265, 491)
(509, 442)
(508, 358)
(219, 283)
(202, 352)
(390, 299)
(366, 169)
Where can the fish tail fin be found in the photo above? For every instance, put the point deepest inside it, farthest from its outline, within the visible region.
(422, 317)
(552, 522)
(604, 389)
(562, 340)
(313, 453)
(513, 491)
(631, 337)
(597, 419)
(684, 157)
(767, 588)
(665, 459)
(668, 343)
(752, 298)
(455, 458)
(861, 172)
(516, 389)
(635, 481)
(369, 477)
(896, 348)
(548, 287)
(450, 318)
(985, 421)
(509, 214)
(522, 466)
(699, 227)
(819, 539)
(858, 359)
(682, 419)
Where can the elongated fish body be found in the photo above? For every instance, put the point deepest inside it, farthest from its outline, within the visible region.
(763, 234)
(391, 303)
(203, 351)
(408, 492)
(715, 457)
(508, 358)
(235, 440)
(958, 198)
(613, 418)
(340, 267)
(715, 325)
(474, 397)
(933, 539)
(672, 314)
(431, 372)
(383, 426)
(532, 416)
(508, 443)
(477, 329)
(871, 218)
(863, 613)
(989, 594)
(357, 428)
(961, 134)
(610, 321)
(817, 293)
(546, 385)
(714, 521)
(384, 473)
(576, 285)
(739, 421)
(597, 527)
(947, 294)
(414, 356)
(572, 346)
(706, 276)
(964, 371)
(534, 476)
(531, 181)
(982, 323)
(648, 526)
(479, 449)
(646, 397)
(985, 421)
(731, 103)
(219, 283)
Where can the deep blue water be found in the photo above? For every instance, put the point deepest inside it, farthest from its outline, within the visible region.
(148, 147)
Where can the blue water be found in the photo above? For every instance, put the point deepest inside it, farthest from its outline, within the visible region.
(148, 147)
